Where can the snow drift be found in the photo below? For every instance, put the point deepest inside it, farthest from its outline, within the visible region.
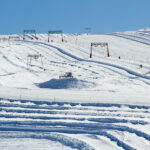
(66, 84)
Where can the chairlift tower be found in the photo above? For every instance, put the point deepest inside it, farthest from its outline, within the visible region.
(102, 44)
(55, 32)
(4, 39)
(25, 32)
(13, 38)
(31, 57)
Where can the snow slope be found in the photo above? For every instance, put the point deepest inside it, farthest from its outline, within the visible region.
(121, 78)
(104, 106)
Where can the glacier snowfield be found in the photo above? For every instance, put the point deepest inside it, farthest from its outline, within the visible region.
(105, 106)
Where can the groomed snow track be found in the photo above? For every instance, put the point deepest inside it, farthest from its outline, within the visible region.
(76, 125)
(62, 51)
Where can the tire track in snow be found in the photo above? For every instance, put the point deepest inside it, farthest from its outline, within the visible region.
(60, 56)
(43, 120)
(44, 45)
(16, 65)
(67, 141)
(39, 114)
(98, 62)
(135, 38)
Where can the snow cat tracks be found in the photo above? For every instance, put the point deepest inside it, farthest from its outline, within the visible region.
(73, 124)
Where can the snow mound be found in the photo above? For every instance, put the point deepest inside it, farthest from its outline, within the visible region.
(66, 84)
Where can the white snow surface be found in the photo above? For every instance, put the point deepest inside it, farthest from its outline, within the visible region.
(99, 79)
(106, 105)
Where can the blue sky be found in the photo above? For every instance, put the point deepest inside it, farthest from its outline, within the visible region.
(73, 16)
